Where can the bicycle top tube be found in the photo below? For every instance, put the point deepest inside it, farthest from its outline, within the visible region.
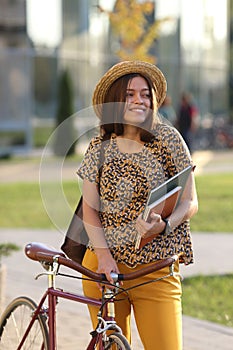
(42, 253)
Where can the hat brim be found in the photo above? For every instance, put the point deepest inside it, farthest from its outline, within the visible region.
(146, 69)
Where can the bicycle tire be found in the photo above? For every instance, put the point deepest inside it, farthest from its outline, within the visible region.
(14, 321)
(116, 341)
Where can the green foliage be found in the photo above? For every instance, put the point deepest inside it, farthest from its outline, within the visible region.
(7, 248)
(65, 129)
(12, 138)
(209, 298)
(134, 27)
(41, 135)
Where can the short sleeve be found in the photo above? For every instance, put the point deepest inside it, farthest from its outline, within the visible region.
(175, 150)
(89, 168)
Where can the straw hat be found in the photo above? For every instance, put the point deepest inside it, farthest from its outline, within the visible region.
(146, 69)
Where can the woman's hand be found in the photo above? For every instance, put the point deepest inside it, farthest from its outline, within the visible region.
(154, 227)
(106, 263)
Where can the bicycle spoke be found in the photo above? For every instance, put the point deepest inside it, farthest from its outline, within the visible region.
(14, 323)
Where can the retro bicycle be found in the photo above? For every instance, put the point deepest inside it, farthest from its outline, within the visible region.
(26, 325)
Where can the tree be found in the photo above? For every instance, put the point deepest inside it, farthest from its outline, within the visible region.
(135, 33)
(64, 133)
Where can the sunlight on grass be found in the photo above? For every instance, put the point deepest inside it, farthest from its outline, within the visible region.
(209, 298)
(21, 204)
(215, 194)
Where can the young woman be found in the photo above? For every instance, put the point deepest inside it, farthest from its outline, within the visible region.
(134, 153)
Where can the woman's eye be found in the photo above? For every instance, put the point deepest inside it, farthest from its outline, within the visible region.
(129, 94)
(143, 95)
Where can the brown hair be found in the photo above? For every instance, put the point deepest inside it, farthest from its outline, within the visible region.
(113, 113)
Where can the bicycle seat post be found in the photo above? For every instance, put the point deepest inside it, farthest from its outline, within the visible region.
(51, 279)
(52, 272)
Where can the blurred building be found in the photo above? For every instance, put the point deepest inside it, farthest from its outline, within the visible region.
(192, 50)
(15, 76)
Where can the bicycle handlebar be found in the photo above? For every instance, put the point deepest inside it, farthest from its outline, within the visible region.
(42, 253)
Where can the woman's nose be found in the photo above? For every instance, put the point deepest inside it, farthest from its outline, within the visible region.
(138, 98)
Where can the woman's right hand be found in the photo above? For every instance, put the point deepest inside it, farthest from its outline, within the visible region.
(106, 263)
(154, 227)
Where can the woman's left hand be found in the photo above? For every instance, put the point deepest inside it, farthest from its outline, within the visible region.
(154, 227)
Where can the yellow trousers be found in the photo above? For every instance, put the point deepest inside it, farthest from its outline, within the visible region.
(156, 307)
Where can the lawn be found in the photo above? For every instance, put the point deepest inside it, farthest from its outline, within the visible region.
(209, 298)
(215, 193)
(21, 204)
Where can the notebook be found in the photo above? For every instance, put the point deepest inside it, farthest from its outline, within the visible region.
(164, 205)
(179, 179)
(164, 199)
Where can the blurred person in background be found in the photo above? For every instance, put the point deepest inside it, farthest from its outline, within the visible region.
(187, 119)
(167, 110)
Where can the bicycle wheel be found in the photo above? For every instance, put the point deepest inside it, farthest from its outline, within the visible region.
(116, 341)
(14, 322)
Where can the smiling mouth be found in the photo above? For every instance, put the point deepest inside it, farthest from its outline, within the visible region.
(137, 109)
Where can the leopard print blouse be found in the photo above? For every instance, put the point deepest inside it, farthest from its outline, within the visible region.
(124, 184)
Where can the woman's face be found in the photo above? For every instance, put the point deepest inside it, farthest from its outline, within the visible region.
(138, 101)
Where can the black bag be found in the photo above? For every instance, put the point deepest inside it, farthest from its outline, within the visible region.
(76, 239)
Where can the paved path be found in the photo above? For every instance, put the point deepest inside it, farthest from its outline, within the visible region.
(49, 168)
(208, 162)
(74, 325)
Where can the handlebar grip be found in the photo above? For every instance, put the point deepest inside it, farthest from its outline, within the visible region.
(120, 277)
(103, 277)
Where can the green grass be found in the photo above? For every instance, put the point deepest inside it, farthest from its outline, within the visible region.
(21, 204)
(209, 298)
(41, 135)
(215, 194)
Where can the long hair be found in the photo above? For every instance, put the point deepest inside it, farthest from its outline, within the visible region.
(113, 108)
